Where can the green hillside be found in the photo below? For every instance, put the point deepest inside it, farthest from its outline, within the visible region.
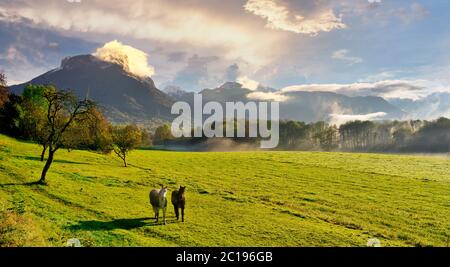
(233, 199)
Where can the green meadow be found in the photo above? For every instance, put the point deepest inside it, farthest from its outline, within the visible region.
(233, 199)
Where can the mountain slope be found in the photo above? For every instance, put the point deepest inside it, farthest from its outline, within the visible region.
(125, 97)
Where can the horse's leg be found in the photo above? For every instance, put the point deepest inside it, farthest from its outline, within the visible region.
(176, 211)
(164, 215)
(182, 214)
(157, 215)
(154, 211)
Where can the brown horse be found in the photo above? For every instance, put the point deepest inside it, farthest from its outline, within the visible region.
(179, 202)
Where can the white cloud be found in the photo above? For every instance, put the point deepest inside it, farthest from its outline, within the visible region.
(133, 60)
(388, 89)
(268, 96)
(186, 24)
(412, 89)
(234, 31)
(12, 54)
(338, 119)
(343, 54)
(248, 83)
(16, 65)
(279, 17)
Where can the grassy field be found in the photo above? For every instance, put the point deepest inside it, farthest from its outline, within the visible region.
(233, 199)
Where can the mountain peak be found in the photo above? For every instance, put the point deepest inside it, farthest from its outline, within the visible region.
(82, 61)
(231, 85)
(126, 97)
(132, 60)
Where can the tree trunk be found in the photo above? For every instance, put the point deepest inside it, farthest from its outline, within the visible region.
(125, 161)
(47, 166)
(43, 153)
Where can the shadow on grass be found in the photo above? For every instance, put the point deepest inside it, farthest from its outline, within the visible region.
(21, 184)
(55, 160)
(124, 224)
(138, 167)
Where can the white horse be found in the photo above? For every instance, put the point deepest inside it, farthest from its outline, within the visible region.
(159, 201)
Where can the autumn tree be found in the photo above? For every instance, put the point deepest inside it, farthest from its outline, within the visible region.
(146, 138)
(163, 133)
(63, 111)
(125, 139)
(91, 132)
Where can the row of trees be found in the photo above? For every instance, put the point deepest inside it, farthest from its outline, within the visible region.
(56, 119)
(413, 136)
(383, 136)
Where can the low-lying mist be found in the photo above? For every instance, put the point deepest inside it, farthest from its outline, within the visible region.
(212, 145)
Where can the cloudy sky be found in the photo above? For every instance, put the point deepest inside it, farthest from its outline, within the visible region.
(392, 48)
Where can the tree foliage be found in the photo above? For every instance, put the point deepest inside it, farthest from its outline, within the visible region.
(64, 111)
(91, 132)
(11, 115)
(162, 134)
(4, 92)
(34, 121)
(146, 138)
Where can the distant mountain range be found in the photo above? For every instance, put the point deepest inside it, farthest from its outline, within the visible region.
(432, 106)
(302, 106)
(127, 98)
